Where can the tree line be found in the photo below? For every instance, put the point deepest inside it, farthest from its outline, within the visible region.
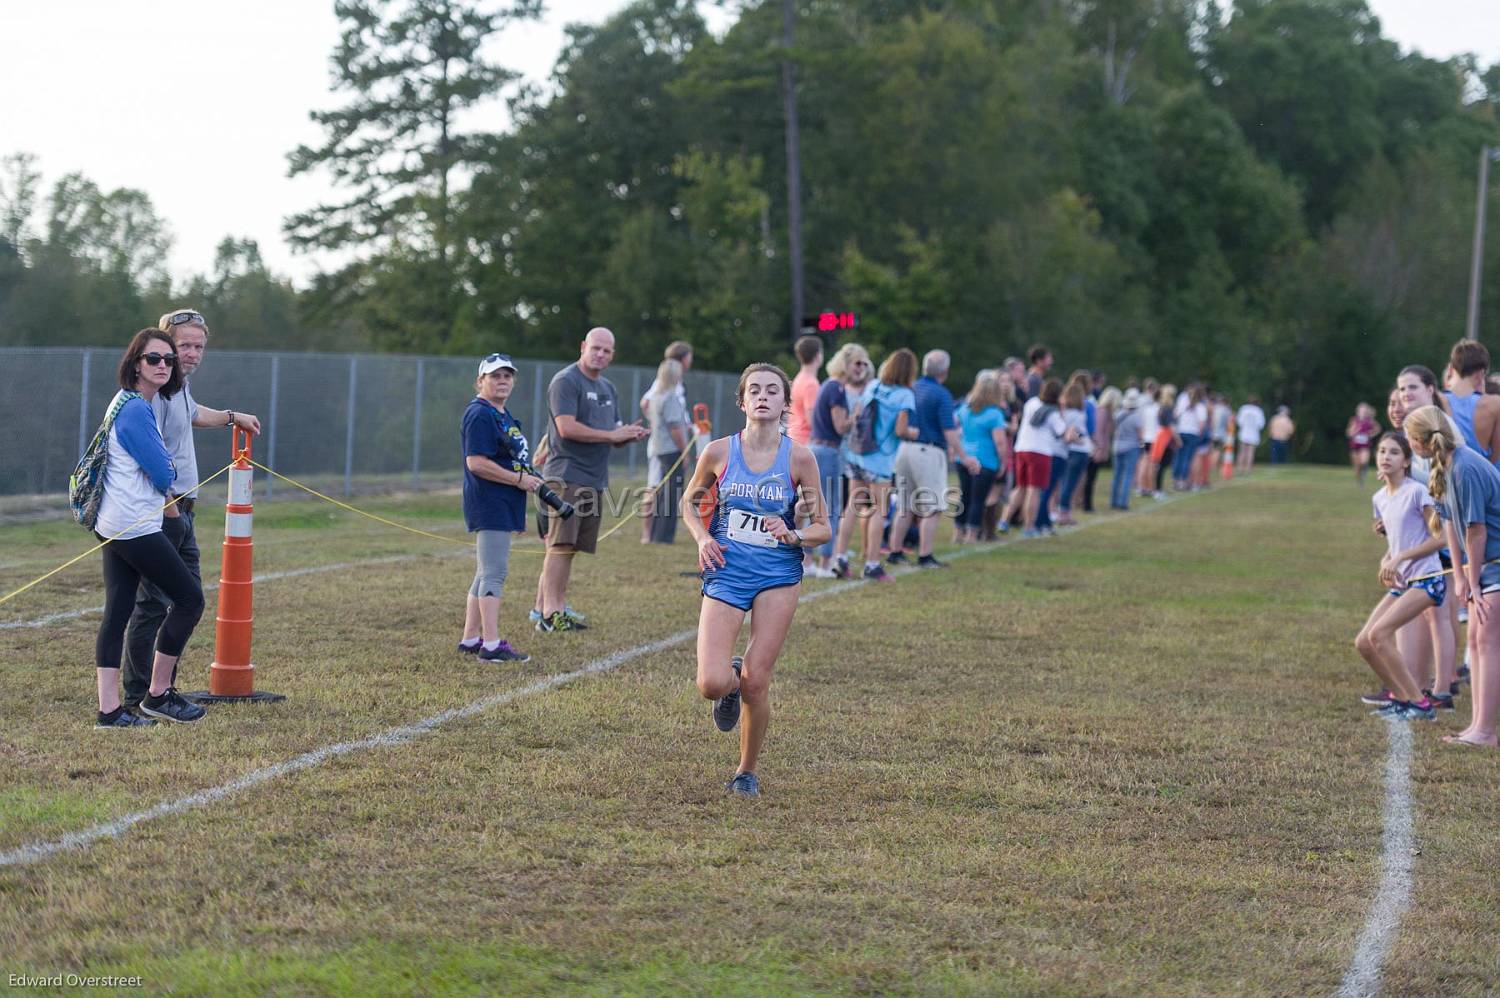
(1272, 196)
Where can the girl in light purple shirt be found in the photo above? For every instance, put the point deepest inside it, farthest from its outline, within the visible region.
(1413, 577)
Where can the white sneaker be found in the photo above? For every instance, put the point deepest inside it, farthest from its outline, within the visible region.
(819, 572)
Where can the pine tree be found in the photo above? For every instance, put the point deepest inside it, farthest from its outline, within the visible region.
(411, 67)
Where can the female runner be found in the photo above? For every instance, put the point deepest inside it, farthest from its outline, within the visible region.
(750, 553)
(1360, 432)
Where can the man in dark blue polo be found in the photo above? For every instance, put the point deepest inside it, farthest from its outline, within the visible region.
(922, 464)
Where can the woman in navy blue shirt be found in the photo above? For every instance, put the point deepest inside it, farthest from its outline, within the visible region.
(496, 481)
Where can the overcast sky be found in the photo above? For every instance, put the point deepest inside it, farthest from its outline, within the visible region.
(106, 86)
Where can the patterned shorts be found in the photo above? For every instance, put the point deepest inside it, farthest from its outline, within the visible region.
(1436, 589)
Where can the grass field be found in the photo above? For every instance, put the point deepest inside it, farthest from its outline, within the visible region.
(1124, 760)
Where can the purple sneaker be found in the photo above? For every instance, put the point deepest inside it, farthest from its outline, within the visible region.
(504, 653)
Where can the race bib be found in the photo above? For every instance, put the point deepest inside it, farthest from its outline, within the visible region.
(749, 528)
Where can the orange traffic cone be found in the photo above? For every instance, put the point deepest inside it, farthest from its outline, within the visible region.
(1226, 469)
(231, 677)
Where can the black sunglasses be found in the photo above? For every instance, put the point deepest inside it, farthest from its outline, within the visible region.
(170, 359)
(188, 315)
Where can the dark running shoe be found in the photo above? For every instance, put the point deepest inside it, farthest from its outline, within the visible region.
(744, 785)
(170, 706)
(473, 649)
(1377, 699)
(896, 558)
(878, 574)
(1463, 674)
(575, 620)
(930, 561)
(726, 710)
(1442, 701)
(558, 621)
(1422, 710)
(841, 568)
(504, 653)
(122, 718)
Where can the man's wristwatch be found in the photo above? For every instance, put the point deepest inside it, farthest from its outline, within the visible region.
(798, 534)
(231, 417)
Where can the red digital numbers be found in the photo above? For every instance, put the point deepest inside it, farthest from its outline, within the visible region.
(829, 322)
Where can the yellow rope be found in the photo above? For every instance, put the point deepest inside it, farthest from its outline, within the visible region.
(97, 547)
(652, 490)
(355, 509)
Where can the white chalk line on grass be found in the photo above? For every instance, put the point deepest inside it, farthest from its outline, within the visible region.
(35, 851)
(1393, 896)
(291, 573)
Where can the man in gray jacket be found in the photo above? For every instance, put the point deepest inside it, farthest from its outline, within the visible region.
(176, 418)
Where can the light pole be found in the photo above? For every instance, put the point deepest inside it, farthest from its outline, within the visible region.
(793, 159)
(1476, 266)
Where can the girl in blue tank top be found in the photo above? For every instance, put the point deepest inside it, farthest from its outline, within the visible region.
(756, 486)
(747, 503)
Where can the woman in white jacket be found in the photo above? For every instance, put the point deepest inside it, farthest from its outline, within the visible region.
(138, 474)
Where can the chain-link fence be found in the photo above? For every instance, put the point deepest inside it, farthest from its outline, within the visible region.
(340, 422)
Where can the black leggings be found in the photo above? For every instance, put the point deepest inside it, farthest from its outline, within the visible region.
(1166, 462)
(974, 490)
(154, 559)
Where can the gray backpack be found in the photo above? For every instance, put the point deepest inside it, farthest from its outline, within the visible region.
(862, 435)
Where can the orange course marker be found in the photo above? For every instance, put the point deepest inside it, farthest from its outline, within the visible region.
(232, 676)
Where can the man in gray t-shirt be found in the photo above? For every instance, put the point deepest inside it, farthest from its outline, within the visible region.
(591, 402)
(583, 423)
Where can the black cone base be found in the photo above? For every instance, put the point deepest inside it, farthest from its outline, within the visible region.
(259, 696)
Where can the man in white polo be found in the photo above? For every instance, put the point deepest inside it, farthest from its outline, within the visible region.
(175, 417)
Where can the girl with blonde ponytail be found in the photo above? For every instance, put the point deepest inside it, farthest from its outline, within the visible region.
(1467, 490)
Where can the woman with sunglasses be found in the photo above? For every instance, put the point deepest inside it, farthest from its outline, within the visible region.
(831, 420)
(138, 474)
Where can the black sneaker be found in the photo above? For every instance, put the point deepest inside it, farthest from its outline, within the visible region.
(930, 561)
(744, 785)
(170, 706)
(1463, 674)
(841, 568)
(877, 574)
(470, 649)
(1440, 701)
(1452, 689)
(1377, 699)
(504, 653)
(558, 621)
(575, 620)
(896, 558)
(122, 718)
(726, 710)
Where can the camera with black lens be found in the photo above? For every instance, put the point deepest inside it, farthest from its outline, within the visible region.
(561, 506)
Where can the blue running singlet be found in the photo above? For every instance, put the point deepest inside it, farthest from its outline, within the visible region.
(754, 561)
(1463, 415)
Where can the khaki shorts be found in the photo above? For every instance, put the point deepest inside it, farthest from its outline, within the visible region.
(921, 478)
(581, 530)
